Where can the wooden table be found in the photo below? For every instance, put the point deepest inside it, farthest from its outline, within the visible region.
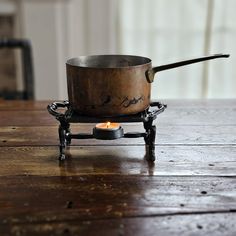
(107, 187)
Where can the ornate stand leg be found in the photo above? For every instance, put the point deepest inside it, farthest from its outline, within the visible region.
(63, 130)
(152, 137)
(64, 127)
(150, 140)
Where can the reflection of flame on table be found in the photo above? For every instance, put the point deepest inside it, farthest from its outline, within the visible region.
(107, 160)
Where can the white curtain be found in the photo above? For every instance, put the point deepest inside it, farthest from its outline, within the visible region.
(170, 30)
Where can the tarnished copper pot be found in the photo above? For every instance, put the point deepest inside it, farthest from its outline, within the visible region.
(113, 85)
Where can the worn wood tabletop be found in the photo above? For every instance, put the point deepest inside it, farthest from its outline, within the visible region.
(107, 187)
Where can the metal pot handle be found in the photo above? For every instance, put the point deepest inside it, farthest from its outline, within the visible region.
(151, 73)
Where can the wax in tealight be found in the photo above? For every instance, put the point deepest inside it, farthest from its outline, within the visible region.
(108, 126)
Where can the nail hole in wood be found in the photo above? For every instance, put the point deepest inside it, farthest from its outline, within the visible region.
(199, 227)
(69, 204)
(211, 165)
(182, 205)
(66, 231)
(4, 141)
(203, 192)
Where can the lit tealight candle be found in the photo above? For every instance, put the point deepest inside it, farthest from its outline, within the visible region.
(108, 131)
(108, 126)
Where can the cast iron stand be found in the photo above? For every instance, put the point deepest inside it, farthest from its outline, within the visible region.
(70, 116)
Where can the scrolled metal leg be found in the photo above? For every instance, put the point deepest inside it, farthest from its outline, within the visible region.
(151, 146)
(62, 146)
(63, 130)
(150, 140)
(68, 139)
(147, 126)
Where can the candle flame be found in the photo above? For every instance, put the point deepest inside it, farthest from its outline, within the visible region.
(108, 124)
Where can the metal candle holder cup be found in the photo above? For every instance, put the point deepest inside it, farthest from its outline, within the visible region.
(108, 131)
(108, 134)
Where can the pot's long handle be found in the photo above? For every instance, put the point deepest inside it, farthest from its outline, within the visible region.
(151, 73)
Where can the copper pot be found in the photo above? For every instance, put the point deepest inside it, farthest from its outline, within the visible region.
(113, 85)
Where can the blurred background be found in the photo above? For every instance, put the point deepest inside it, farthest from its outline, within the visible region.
(163, 30)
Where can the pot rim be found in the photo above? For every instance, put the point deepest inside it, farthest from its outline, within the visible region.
(80, 62)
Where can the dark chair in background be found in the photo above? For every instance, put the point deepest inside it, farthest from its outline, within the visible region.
(27, 65)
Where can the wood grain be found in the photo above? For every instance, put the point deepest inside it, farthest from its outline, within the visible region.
(20, 113)
(20, 105)
(108, 187)
(169, 135)
(171, 117)
(126, 160)
(185, 225)
(41, 198)
(26, 118)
